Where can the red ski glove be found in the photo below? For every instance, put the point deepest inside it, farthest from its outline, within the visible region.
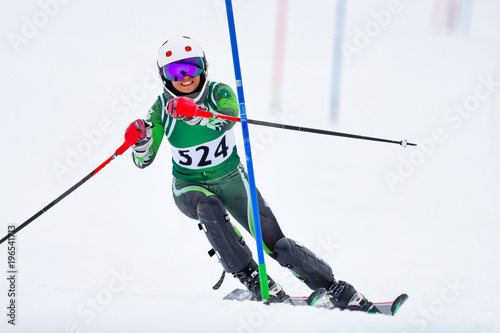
(139, 134)
(182, 108)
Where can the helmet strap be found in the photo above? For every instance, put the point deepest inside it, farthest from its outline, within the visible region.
(198, 95)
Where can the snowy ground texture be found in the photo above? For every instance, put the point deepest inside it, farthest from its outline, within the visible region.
(117, 256)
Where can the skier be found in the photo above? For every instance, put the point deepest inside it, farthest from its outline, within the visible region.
(209, 181)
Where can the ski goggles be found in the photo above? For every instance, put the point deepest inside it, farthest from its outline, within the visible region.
(177, 70)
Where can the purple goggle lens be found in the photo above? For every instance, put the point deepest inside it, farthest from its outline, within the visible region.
(177, 70)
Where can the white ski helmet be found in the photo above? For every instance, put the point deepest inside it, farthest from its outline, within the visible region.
(179, 48)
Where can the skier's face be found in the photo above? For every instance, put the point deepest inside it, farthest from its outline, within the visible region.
(187, 85)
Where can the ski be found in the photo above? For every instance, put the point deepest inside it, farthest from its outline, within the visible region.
(317, 299)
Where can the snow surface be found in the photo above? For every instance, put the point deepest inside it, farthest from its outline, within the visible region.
(117, 256)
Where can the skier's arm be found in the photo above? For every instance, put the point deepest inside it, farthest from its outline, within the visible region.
(227, 104)
(187, 110)
(224, 102)
(144, 158)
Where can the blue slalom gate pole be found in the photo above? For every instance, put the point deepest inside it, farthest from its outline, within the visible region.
(246, 139)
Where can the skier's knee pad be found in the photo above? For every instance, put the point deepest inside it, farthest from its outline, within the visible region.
(188, 203)
(232, 251)
(303, 263)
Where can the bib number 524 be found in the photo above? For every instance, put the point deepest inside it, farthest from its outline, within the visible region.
(204, 155)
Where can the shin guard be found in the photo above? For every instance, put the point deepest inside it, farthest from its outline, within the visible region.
(307, 266)
(233, 253)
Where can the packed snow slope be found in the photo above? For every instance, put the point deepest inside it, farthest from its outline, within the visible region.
(117, 256)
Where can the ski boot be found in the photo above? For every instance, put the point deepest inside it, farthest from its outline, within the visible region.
(251, 279)
(344, 296)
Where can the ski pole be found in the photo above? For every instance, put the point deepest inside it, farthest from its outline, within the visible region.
(403, 142)
(207, 114)
(193, 110)
(264, 287)
(130, 140)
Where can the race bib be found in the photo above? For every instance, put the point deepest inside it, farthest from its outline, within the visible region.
(206, 155)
